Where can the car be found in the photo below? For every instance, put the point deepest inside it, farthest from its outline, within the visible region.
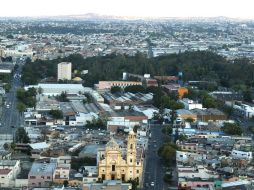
(152, 183)
(7, 106)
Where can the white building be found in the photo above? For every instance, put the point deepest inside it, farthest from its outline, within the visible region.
(241, 155)
(64, 71)
(57, 89)
(196, 172)
(245, 110)
(9, 169)
(190, 104)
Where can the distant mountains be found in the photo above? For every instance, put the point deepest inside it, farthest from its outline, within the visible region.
(98, 17)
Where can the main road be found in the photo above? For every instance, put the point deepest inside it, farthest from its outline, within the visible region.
(154, 169)
(10, 116)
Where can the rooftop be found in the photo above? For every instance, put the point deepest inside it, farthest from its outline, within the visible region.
(42, 169)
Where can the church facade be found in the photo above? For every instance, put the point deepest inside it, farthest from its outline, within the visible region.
(114, 167)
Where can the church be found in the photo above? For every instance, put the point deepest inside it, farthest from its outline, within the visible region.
(115, 165)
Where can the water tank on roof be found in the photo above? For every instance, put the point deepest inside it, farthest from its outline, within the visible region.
(147, 76)
(124, 76)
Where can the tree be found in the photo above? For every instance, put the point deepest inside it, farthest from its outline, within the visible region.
(134, 183)
(21, 107)
(7, 87)
(6, 146)
(167, 178)
(62, 97)
(12, 147)
(168, 152)
(189, 119)
(232, 129)
(56, 114)
(135, 128)
(247, 95)
(167, 130)
(40, 90)
(21, 136)
(44, 133)
(65, 183)
(182, 137)
(115, 89)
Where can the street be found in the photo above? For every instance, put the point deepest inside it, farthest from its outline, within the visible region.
(154, 169)
(11, 115)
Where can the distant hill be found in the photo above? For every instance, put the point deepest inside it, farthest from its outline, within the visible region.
(99, 17)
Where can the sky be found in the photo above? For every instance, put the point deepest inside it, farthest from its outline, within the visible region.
(139, 8)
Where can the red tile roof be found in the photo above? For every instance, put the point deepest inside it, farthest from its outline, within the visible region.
(4, 171)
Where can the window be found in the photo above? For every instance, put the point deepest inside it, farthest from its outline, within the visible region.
(48, 177)
(32, 177)
(131, 146)
(130, 160)
(137, 171)
(113, 168)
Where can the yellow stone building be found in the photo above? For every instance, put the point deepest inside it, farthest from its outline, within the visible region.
(113, 166)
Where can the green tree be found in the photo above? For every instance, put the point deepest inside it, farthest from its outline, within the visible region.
(189, 119)
(65, 183)
(232, 129)
(167, 130)
(168, 152)
(7, 87)
(21, 136)
(62, 97)
(134, 184)
(12, 147)
(182, 137)
(6, 146)
(40, 90)
(21, 107)
(167, 178)
(56, 114)
(248, 95)
(135, 128)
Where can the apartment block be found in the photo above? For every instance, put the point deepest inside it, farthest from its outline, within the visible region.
(64, 71)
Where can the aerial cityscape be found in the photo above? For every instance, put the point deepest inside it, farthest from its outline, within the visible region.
(97, 95)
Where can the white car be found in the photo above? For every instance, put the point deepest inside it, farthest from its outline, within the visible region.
(152, 183)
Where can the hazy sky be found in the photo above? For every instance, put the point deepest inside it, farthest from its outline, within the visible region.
(150, 8)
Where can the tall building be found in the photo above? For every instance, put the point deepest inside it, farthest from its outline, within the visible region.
(113, 166)
(64, 71)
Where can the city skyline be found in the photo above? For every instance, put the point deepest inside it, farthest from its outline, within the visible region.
(141, 8)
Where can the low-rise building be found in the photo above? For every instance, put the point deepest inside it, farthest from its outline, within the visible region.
(108, 185)
(106, 85)
(210, 114)
(186, 114)
(190, 104)
(199, 172)
(41, 174)
(126, 119)
(57, 89)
